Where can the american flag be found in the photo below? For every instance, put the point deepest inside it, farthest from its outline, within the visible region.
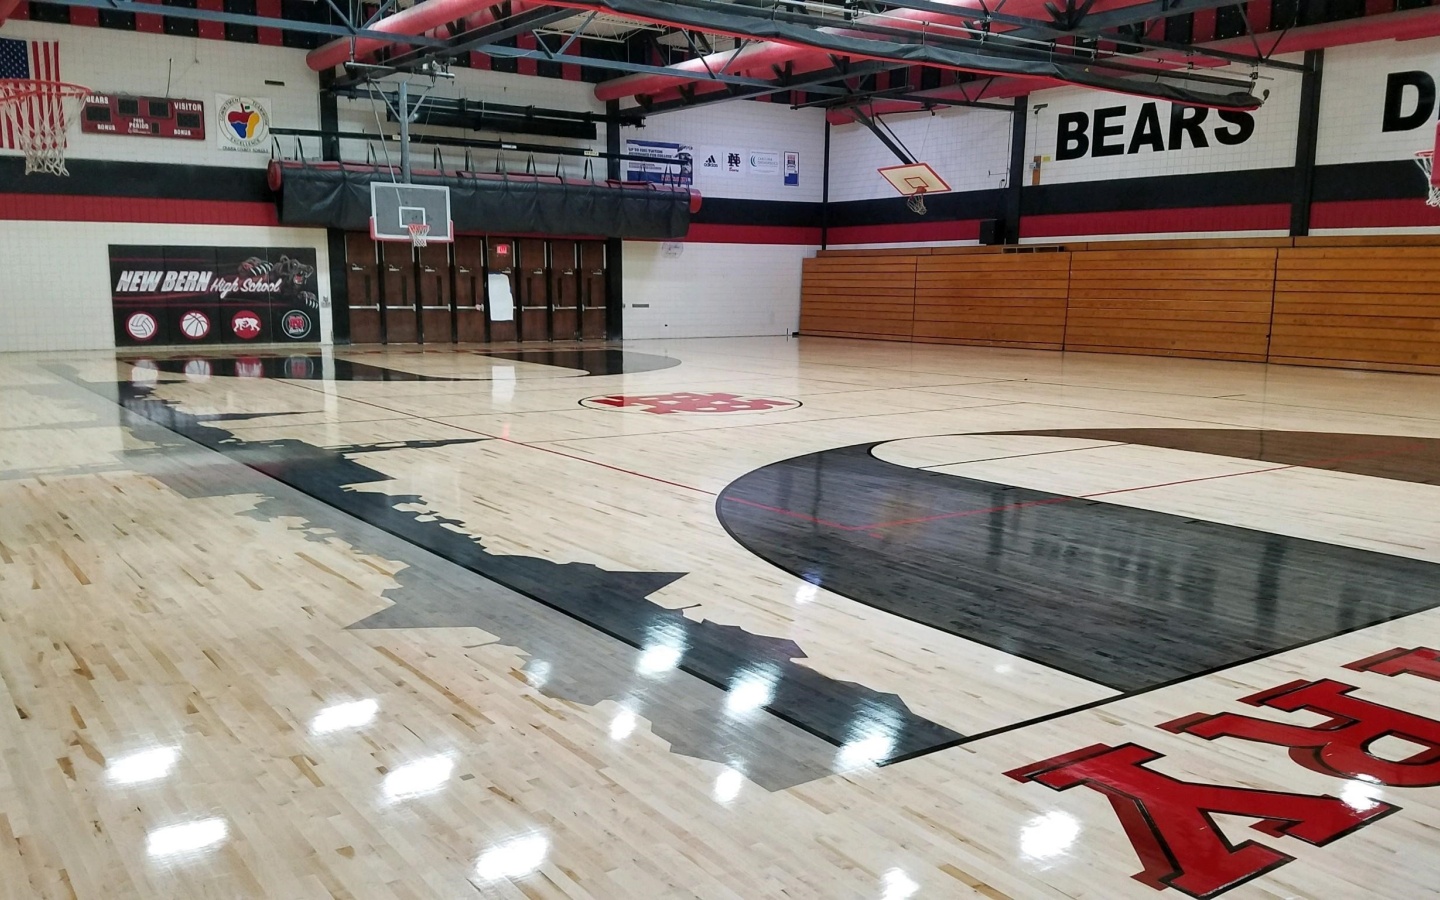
(27, 59)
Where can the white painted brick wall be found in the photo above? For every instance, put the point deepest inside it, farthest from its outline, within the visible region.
(968, 148)
(712, 290)
(56, 294)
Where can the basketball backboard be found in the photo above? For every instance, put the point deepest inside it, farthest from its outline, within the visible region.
(915, 178)
(395, 207)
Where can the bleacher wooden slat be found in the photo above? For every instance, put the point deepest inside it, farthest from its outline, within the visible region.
(1362, 303)
(859, 296)
(1007, 299)
(1211, 301)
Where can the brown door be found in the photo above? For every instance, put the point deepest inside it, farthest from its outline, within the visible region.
(435, 302)
(592, 290)
(534, 301)
(564, 292)
(397, 264)
(363, 286)
(501, 264)
(470, 290)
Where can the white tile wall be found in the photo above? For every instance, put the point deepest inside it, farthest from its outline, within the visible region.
(746, 125)
(969, 148)
(712, 290)
(158, 65)
(1271, 146)
(1352, 102)
(56, 294)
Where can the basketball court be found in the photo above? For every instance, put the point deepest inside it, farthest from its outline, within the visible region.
(669, 450)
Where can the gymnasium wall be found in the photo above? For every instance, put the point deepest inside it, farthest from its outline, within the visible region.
(54, 231)
(1101, 166)
(738, 271)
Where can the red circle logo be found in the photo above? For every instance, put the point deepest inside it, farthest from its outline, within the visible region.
(246, 325)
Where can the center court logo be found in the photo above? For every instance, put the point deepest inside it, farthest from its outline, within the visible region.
(244, 123)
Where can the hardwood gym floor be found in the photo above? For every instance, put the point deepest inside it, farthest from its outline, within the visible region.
(737, 618)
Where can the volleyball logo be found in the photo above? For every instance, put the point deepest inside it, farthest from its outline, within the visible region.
(195, 324)
(141, 326)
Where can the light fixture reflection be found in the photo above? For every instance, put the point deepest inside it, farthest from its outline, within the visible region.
(806, 592)
(420, 777)
(514, 858)
(661, 658)
(727, 785)
(147, 765)
(622, 725)
(1049, 835)
(537, 673)
(750, 692)
(344, 715)
(190, 837)
(502, 384)
(896, 885)
(1361, 796)
(865, 749)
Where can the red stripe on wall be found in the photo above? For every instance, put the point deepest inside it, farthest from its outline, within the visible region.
(752, 234)
(83, 15)
(1405, 213)
(526, 42)
(212, 31)
(69, 208)
(271, 8)
(148, 23)
(907, 232)
(1259, 217)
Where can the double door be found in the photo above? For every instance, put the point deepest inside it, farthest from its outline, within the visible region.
(476, 290)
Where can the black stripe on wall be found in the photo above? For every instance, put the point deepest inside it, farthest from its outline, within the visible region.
(103, 178)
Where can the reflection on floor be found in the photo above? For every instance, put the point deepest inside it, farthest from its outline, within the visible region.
(1128, 598)
(762, 669)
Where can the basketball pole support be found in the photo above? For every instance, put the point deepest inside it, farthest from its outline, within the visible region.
(404, 103)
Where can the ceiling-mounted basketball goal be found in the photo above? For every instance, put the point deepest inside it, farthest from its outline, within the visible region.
(914, 181)
(39, 113)
(1425, 159)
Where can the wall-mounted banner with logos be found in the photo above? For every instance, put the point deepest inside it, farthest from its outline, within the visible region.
(792, 168)
(722, 161)
(673, 163)
(163, 117)
(763, 162)
(213, 295)
(242, 123)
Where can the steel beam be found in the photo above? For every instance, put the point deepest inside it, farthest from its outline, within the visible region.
(211, 15)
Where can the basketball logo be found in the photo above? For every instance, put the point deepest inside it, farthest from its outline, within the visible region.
(141, 326)
(246, 325)
(195, 325)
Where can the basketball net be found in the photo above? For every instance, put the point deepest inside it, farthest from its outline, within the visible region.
(1425, 159)
(916, 201)
(39, 113)
(419, 234)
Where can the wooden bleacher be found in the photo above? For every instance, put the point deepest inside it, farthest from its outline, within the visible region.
(1362, 302)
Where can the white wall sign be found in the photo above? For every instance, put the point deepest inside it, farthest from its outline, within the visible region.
(722, 161)
(242, 123)
(763, 162)
(1379, 102)
(673, 163)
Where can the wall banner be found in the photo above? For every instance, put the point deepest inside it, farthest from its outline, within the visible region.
(673, 163)
(763, 162)
(213, 295)
(243, 123)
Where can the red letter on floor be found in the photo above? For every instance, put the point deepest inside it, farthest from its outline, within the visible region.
(1420, 661)
(1338, 746)
(1168, 820)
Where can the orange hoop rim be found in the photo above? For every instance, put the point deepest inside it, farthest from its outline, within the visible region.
(12, 89)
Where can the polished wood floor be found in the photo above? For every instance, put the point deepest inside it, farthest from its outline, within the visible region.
(740, 618)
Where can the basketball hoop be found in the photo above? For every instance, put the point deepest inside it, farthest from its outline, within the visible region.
(1425, 159)
(916, 201)
(39, 113)
(419, 234)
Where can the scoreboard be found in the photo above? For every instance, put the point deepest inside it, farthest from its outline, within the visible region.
(144, 116)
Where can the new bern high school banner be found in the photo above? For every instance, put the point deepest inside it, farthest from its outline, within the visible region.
(213, 295)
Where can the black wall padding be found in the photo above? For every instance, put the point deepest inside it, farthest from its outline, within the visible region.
(336, 197)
